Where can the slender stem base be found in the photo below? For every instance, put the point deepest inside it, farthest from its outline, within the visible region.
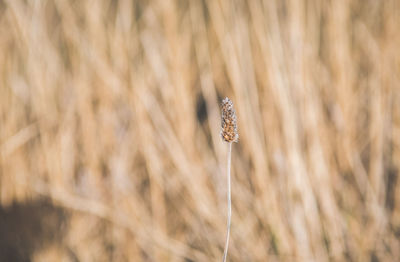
(228, 175)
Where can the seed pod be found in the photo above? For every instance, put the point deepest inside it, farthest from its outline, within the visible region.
(228, 122)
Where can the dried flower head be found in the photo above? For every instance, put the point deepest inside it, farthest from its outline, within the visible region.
(228, 122)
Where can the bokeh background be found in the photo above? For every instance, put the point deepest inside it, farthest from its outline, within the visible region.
(110, 121)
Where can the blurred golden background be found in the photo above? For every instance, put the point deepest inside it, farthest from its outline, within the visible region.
(110, 120)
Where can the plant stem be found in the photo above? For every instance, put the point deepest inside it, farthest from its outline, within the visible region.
(228, 227)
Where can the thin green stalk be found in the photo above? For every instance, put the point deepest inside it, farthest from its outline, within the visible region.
(228, 227)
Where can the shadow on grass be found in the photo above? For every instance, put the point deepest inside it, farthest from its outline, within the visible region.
(26, 227)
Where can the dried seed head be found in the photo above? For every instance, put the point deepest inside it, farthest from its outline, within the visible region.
(228, 122)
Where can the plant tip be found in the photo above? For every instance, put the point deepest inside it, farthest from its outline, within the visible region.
(228, 122)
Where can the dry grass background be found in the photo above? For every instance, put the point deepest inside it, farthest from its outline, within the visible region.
(110, 111)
